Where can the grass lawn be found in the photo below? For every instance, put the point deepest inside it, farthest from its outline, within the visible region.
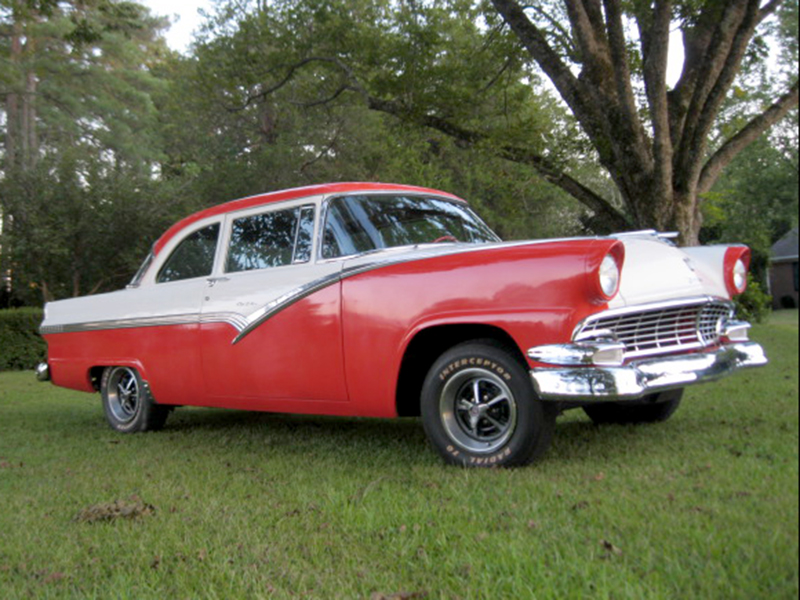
(225, 504)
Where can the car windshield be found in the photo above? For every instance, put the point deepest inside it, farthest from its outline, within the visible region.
(357, 224)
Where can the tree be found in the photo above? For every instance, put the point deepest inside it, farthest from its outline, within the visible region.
(79, 143)
(661, 163)
(463, 68)
(274, 97)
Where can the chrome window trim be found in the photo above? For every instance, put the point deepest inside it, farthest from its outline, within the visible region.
(174, 248)
(328, 199)
(311, 202)
(160, 259)
(142, 270)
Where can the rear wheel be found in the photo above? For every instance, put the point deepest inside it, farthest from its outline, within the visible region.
(479, 408)
(127, 402)
(651, 409)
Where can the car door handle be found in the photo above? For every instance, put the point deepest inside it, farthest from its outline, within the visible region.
(212, 281)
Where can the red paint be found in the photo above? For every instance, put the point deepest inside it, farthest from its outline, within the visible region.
(339, 350)
(294, 356)
(167, 357)
(535, 293)
(732, 255)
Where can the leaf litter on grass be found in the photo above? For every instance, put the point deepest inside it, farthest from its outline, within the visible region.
(132, 508)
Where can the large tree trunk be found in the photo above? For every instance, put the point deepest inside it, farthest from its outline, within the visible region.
(21, 144)
(661, 164)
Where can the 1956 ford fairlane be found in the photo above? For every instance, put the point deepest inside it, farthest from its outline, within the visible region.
(387, 300)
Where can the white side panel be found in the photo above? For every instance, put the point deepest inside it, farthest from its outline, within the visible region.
(173, 303)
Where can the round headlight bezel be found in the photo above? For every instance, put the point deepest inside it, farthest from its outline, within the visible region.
(736, 266)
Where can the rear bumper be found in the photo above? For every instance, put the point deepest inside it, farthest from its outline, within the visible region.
(43, 372)
(646, 376)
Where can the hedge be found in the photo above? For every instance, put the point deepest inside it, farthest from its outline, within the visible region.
(21, 346)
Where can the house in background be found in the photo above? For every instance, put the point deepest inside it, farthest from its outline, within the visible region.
(783, 272)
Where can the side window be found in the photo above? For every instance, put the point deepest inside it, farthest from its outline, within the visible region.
(305, 229)
(272, 239)
(194, 256)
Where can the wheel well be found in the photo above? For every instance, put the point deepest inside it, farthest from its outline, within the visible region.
(95, 375)
(428, 345)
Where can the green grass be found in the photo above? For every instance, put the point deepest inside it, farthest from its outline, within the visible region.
(256, 505)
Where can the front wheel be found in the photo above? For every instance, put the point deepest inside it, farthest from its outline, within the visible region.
(651, 409)
(127, 402)
(479, 408)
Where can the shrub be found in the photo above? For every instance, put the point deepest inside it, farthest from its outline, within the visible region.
(21, 346)
(755, 304)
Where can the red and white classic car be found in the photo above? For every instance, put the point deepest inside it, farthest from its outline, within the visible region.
(386, 300)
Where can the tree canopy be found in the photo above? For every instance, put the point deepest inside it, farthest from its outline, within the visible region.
(555, 118)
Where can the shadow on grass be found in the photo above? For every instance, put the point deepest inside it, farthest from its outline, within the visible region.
(290, 434)
(574, 440)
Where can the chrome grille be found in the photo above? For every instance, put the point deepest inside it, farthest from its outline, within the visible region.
(660, 328)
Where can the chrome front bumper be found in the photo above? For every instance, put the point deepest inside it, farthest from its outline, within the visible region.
(645, 376)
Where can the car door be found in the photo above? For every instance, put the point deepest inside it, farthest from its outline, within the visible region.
(167, 308)
(270, 325)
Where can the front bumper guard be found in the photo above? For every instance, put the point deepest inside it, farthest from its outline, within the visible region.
(641, 377)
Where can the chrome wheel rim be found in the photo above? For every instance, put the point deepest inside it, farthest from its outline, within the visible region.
(478, 411)
(124, 394)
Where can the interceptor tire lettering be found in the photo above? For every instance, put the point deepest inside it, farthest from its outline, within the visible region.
(127, 403)
(479, 408)
(652, 409)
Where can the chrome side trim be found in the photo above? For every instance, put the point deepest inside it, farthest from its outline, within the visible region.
(234, 319)
(282, 302)
(245, 325)
(641, 377)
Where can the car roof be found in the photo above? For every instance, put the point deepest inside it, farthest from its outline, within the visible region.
(286, 195)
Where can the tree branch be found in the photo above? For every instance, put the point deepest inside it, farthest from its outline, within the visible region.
(726, 76)
(748, 134)
(654, 35)
(629, 116)
(560, 34)
(536, 44)
(588, 101)
(610, 217)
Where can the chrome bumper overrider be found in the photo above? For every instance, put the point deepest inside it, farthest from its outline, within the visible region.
(43, 372)
(645, 376)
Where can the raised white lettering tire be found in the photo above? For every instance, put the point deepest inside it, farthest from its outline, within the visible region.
(479, 408)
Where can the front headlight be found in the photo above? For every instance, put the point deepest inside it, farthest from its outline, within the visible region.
(608, 276)
(740, 276)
